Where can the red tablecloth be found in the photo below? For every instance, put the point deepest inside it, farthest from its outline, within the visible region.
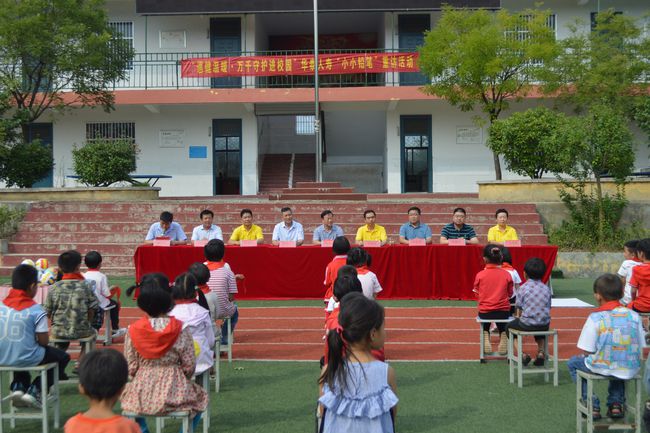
(427, 272)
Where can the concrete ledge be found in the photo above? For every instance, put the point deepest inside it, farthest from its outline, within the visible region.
(546, 190)
(587, 265)
(79, 194)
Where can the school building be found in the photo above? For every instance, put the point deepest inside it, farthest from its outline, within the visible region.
(244, 134)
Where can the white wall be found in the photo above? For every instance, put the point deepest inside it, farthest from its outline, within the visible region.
(279, 136)
(190, 176)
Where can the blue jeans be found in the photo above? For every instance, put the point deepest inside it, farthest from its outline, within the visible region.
(142, 422)
(224, 327)
(615, 389)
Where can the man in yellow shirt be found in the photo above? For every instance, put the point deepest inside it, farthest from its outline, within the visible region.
(371, 231)
(247, 231)
(502, 231)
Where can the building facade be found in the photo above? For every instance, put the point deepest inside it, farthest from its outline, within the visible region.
(380, 133)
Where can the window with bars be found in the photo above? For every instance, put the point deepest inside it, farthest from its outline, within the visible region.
(594, 16)
(305, 125)
(123, 36)
(110, 131)
(521, 33)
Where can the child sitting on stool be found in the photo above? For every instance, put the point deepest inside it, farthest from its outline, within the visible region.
(493, 287)
(533, 307)
(612, 341)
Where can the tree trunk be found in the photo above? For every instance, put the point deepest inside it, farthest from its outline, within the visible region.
(497, 166)
(601, 210)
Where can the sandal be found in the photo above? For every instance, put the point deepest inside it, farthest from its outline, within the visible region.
(615, 410)
(525, 359)
(540, 359)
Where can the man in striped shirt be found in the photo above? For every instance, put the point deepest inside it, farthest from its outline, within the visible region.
(458, 229)
(223, 287)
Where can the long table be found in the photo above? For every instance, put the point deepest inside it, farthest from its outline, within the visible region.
(405, 272)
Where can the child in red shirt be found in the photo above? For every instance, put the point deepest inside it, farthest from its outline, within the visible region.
(493, 287)
(102, 377)
(340, 246)
(640, 280)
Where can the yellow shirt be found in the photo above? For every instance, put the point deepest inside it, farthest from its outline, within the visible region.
(376, 234)
(496, 235)
(240, 233)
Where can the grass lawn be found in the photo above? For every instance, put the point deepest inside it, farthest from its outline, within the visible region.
(434, 397)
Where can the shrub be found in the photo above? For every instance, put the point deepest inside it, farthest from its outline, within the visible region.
(10, 217)
(580, 230)
(104, 162)
(25, 163)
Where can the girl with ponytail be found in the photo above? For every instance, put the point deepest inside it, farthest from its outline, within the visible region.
(358, 392)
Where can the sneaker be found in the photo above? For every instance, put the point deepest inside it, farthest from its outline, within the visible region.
(615, 410)
(525, 359)
(16, 394)
(119, 333)
(32, 397)
(540, 360)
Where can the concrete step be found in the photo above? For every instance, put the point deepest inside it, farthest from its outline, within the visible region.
(27, 248)
(216, 205)
(323, 196)
(316, 190)
(265, 217)
(318, 184)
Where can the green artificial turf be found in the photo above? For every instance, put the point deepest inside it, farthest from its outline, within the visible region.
(434, 397)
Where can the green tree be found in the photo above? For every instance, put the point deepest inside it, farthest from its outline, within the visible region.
(605, 66)
(486, 59)
(58, 53)
(606, 150)
(536, 141)
(104, 162)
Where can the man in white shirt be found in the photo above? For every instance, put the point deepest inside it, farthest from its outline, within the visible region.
(207, 230)
(288, 229)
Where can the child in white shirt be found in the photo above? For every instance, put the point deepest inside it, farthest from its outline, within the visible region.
(99, 283)
(360, 259)
(625, 271)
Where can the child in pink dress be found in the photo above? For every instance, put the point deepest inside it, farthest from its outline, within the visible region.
(161, 358)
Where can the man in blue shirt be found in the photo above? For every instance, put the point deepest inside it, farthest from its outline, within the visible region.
(168, 228)
(288, 229)
(207, 230)
(414, 228)
(458, 229)
(327, 230)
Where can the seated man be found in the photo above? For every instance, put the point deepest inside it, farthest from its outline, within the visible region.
(458, 229)
(371, 231)
(414, 228)
(247, 231)
(207, 230)
(167, 227)
(288, 229)
(327, 230)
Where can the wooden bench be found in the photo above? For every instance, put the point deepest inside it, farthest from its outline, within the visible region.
(584, 409)
(516, 362)
(47, 401)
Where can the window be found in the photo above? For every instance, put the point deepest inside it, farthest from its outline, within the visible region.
(521, 33)
(110, 131)
(593, 16)
(123, 36)
(305, 125)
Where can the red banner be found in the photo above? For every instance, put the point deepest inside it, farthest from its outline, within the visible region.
(328, 64)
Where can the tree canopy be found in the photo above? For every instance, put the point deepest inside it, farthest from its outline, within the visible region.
(486, 59)
(605, 66)
(49, 47)
(537, 141)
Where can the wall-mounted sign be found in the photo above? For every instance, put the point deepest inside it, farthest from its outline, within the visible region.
(469, 135)
(172, 138)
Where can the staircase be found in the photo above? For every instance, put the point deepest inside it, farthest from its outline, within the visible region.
(116, 228)
(281, 171)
